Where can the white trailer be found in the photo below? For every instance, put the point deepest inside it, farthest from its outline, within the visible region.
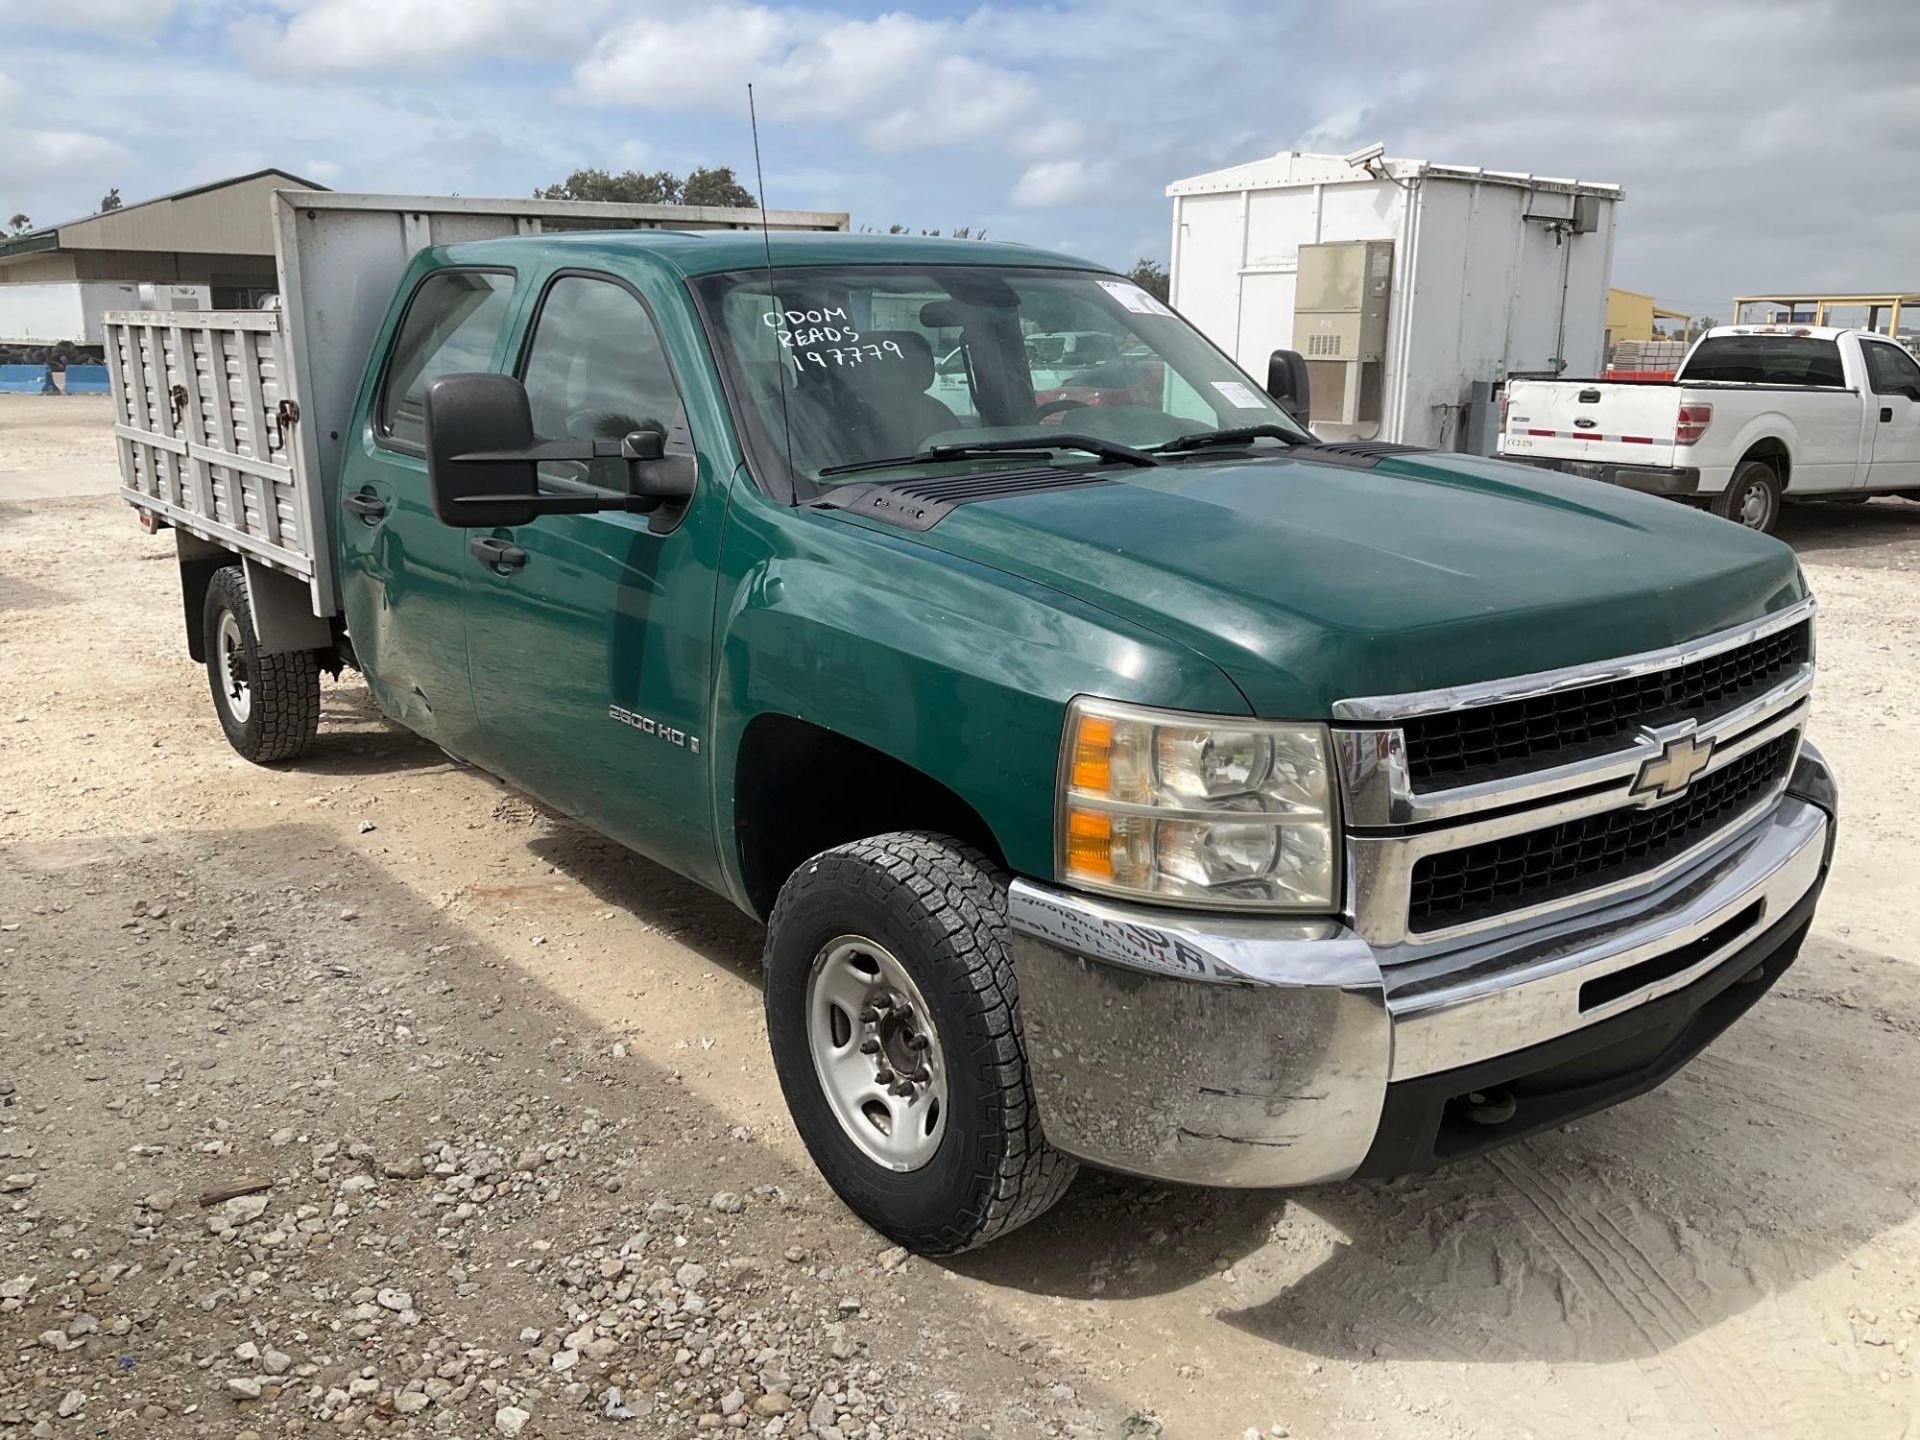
(229, 423)
(1488, 275)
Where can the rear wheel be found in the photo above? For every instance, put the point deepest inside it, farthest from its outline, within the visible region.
(269, 705)
(1752, 497)
(895, 1026)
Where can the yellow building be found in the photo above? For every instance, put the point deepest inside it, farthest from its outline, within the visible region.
(1631, 316)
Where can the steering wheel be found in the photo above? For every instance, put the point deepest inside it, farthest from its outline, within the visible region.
(1057, 407)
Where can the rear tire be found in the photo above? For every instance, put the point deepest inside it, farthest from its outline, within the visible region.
(958, 1159)
(1752, 497)
(269, 705)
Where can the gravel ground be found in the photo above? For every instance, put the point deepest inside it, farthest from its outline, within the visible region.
(366, 1095)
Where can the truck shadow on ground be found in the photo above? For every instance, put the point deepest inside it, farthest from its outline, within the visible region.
(1878, 534)
(1775, 1155)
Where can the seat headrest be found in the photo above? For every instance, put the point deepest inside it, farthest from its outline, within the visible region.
(910, 370)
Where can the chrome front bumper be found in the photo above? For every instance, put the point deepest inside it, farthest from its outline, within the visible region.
(1219, 1050)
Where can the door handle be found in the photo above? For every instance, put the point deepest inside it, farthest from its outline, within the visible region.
(502, 557)
(1886, 414)
(367, 505)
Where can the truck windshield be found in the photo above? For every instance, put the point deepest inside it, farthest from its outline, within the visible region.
(869, 363)
(1766, 360)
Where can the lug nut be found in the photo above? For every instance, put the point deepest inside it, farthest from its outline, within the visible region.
(869, 1046)
(904, 1087)
(869, 1016)
(918, 1041)
(884, 1074)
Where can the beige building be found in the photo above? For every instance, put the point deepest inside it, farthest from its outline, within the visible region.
(208, 248)
(1633, 316)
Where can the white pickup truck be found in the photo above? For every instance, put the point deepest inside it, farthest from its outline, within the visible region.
(1754, 414)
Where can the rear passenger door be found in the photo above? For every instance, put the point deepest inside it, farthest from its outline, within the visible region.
(403, 573)
(591, 659)
(1893, 415)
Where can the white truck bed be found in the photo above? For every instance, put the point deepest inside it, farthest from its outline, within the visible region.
(229, 423)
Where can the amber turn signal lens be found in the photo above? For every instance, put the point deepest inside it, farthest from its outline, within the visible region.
(1093, 754)
(1090, 844)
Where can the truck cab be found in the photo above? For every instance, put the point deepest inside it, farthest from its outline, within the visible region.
(1142, 784)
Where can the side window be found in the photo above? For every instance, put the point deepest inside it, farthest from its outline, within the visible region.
(450, 328)
(1891, 370)
(596, 371)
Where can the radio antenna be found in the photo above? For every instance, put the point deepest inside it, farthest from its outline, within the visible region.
(766, 245)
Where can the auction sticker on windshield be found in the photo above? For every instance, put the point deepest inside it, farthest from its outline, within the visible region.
(1239, 394)
(1134, 298)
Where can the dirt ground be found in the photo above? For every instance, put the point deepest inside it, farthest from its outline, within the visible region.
(514, 1161)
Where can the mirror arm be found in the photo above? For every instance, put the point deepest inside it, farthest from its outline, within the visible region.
(547, 450)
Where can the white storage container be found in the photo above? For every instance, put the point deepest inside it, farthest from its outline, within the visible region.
(1493, 274)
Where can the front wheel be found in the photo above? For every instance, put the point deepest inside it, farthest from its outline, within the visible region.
(269, 705)
(1752, 497)
(895, 1025)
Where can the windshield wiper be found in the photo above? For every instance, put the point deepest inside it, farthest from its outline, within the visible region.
(1024, 449)
(1238, 435)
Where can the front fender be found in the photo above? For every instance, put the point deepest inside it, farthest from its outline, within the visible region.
(950, 666)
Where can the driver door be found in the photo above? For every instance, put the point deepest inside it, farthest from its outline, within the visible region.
(590, 656)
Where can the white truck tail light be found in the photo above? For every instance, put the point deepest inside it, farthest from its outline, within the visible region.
(1506, 404)
(1692, 424)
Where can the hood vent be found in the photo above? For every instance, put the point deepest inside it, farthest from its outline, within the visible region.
(921, 504)
(1357, 454)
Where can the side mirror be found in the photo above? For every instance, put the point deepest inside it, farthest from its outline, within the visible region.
(478, 428)
(1287, 382)
(483, 461)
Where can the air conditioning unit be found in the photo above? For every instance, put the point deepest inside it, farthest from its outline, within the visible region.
(1340, 300)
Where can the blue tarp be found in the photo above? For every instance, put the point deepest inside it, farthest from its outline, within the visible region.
(87, 380)
(30, 379)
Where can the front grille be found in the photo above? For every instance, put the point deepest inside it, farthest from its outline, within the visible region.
(1458, 887)
(1461, 746)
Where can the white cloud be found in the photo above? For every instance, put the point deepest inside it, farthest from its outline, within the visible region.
(9, 88)
(32, 157)
(395, 34)
(896, 80)
(1057, 182)
(122, 18)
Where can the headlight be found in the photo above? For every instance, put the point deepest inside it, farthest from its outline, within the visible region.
(1230, 812)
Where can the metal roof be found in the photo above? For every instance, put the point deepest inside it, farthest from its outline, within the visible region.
(56, 237)
(1299, 168)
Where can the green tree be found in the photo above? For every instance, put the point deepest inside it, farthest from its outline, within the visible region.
(960, 232)
(20, 223)
(1151, 277)
(1699, 326)
(706, 186)
(110, 200)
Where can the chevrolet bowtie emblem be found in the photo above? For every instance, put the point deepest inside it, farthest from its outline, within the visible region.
(1673, 769)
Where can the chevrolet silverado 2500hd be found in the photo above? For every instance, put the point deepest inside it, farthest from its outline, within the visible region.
(1755, 413)
(1141, 783)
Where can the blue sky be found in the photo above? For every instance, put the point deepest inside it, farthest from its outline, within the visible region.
(1762, 143)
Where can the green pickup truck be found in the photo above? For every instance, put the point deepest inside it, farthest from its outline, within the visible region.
(1129, 779)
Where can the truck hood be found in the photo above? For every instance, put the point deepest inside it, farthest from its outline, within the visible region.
(1309, 581)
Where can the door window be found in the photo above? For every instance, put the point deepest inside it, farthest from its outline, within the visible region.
(451, 326)
(1891, 370)
(596, 370)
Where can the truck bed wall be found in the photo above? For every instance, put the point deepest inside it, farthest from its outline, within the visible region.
(338, 257)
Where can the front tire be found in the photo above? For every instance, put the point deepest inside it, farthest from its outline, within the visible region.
(1752, 497)
(269, 705)
(894, 1020)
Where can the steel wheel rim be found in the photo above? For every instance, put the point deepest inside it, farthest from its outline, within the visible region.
(232, 660)
(1754, 506)
(866, 1023)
